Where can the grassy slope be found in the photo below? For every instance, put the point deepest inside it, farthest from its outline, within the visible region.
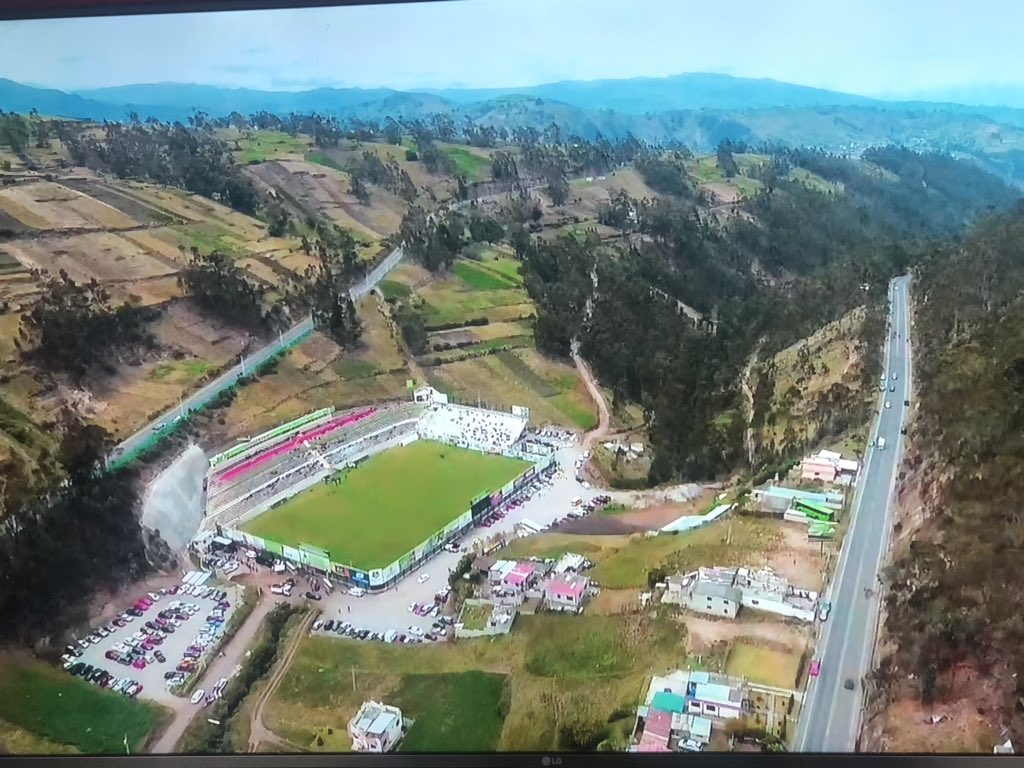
(574, 681)
(65, 710)
(623, 562)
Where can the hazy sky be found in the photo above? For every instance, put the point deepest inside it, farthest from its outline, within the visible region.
(871, 47)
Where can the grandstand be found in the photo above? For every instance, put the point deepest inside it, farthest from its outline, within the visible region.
(288, 468)
(473, 428)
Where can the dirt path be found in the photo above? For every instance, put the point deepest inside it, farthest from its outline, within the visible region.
(748, 396)
(258, 732)
(604, 418)
(222, 666)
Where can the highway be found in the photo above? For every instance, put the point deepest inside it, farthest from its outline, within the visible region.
(252, 361)
(830, 718)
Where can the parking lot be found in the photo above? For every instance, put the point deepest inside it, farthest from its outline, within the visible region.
(188, 621)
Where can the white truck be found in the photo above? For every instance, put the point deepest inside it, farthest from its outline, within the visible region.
(881, 443)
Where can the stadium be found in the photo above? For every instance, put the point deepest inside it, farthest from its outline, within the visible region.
(367, 495)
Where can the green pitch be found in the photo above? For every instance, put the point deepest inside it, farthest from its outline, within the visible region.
(389, 504)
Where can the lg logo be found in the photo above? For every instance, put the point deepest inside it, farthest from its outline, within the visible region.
(547, 761)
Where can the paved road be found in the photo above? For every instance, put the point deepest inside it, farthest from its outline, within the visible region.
(831, 716)
(222, 382)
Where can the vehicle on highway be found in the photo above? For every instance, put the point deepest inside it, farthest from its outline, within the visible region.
(903, 430)
(881, 443)
(849, 684)
(825, 610)
(906, 403)
(895, 376)
(888, 404)
(892, 387)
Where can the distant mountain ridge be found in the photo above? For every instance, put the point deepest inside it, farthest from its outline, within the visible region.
(698, 110)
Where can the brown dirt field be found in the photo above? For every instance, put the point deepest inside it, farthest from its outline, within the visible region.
(260, 271)
(702, 634)
(798, 559)
(596, 525)
(293, 260)
(111, 196)
(12, 207)
(323, 191)
(457, 336)
(904, 725)
(611, 602)
(105, 216)
(123, 402)
(155, 290)
(151, 242)
(724, 193)
(183, 327)
(52, 203)
(106, 256)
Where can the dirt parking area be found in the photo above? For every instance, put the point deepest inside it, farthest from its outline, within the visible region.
(799, 559)
(703, 634)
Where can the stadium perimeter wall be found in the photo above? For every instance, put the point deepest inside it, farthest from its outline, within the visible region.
(382, 578)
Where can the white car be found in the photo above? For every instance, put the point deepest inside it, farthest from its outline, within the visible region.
(423, 578)
(888, 404)
(416, 631)
(153, 596)
(413, 607)
(198, 696)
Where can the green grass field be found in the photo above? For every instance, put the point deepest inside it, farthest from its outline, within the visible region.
(388, 505)
(480, 278)
(444, 706)
(764, 665)
(469, 164)
(58, 708)
(589, 670)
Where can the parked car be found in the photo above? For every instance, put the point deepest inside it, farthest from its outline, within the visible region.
(313, 596)
(825, 610)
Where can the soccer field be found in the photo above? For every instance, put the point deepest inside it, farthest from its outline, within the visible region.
(387, 505)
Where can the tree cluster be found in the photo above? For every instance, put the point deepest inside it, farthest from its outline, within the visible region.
(59, 548)
(218, 286)
(74, 328)
(173, 155)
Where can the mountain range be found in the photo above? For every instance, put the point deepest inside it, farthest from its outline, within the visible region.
(697, 109)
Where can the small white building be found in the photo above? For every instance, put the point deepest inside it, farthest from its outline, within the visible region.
(376, 728)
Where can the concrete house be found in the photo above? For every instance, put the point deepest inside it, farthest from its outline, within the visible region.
(376, 728)
(565, 593)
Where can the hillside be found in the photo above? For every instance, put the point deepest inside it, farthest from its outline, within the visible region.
(698, 110)
(953, 622)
